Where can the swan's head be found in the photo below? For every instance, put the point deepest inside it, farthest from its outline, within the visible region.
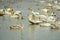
(11, 9)
(5, 7)
(30, 9)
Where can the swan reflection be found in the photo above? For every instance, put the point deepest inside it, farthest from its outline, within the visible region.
(32, 29)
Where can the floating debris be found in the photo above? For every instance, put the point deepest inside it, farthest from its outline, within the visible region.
(15, 27)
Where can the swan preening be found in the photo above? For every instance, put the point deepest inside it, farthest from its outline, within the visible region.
(34, 18)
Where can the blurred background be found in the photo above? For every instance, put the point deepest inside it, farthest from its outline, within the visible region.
(30, 32)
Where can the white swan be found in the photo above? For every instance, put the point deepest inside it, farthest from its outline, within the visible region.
(16, 14)
(34, 17)
(47, 18)
(43, 17)
(45, 10)
(4, 10)
(10, 11)
(51, 19)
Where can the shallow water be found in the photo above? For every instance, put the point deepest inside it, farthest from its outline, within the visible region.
(30, 32)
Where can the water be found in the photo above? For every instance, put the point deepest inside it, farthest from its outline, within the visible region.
(30, 32)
